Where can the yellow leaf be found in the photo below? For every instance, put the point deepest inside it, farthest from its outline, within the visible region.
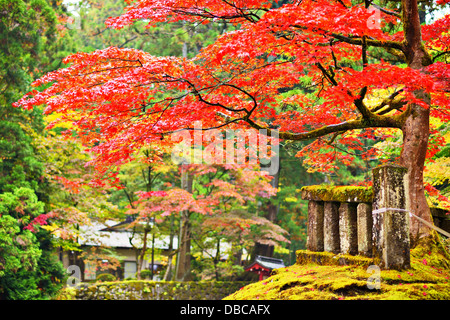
(50, 228)
(291, 199)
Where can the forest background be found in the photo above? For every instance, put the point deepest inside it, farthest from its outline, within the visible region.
(46, 188)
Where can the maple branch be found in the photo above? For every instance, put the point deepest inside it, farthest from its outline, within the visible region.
(398, 54)
(369, 42)
(336, 66)
(346, 151)
(162, 112)
(255, 103)
(205, 129)
(247, 16)
(342, 3)
(365, 62)
(335, 135)
(111, 68)
(388, 101)
(371, 121)
(389, 12)
(329, 77)
(359, 41)
(215, 127)
(200, 98)
(392, 106)
(201, 12)
(99, 32)
(440, 54)
(126, 41)
(129, 197)
(365, 112)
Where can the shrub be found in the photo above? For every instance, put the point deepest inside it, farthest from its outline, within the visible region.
(103, 277)
(146, 274)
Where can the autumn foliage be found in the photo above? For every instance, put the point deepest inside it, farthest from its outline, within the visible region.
(363, 74)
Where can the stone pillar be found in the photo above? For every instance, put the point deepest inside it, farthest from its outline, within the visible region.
(331, 227)
(364, 229)
(348, 228)
(314, 241)
(390, 219)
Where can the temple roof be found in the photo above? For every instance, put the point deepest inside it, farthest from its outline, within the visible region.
(267, 263)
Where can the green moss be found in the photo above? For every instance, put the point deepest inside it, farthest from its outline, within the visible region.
(428, 278)
(68, 293)
(337, 193)
(144, 289)
(105, 277)
(317, 191)
(328, 258)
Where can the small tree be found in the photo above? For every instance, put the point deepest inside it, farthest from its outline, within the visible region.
(208, 211)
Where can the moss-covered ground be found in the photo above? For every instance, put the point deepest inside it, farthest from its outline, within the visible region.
(427, 278)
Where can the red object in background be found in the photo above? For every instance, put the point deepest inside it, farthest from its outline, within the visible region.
(263, 266)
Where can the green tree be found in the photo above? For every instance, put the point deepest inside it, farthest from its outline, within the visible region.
(166, 39)
(30, 43)
(28, 268)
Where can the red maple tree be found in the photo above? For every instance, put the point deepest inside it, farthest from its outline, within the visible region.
(123, 99)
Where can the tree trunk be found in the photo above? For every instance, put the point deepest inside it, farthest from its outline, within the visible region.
(238, 251)
(415, 144)
(216, 260)
(271, 215)
(171, 253)
(141, 256)
(169, 268)
(184, 253)
(183, 269)
(416, 129)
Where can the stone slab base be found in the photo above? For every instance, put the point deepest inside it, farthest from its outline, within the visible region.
(329, 258)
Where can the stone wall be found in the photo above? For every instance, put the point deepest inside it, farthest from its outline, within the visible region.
(339, 219)
(441, 218)
(373, 222)
(157, 290)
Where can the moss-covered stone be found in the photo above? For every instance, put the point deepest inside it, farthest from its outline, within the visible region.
(337, 193)
(151, 290)
(329, 258)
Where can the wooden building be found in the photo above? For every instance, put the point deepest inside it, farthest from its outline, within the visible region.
(263, 266)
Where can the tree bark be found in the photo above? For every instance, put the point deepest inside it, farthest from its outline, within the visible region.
(416, 128)
(216, 260)
(141, 256)
(183, 269)
(415, 144)
(184, 253)
(261, 249)
(172, 252)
